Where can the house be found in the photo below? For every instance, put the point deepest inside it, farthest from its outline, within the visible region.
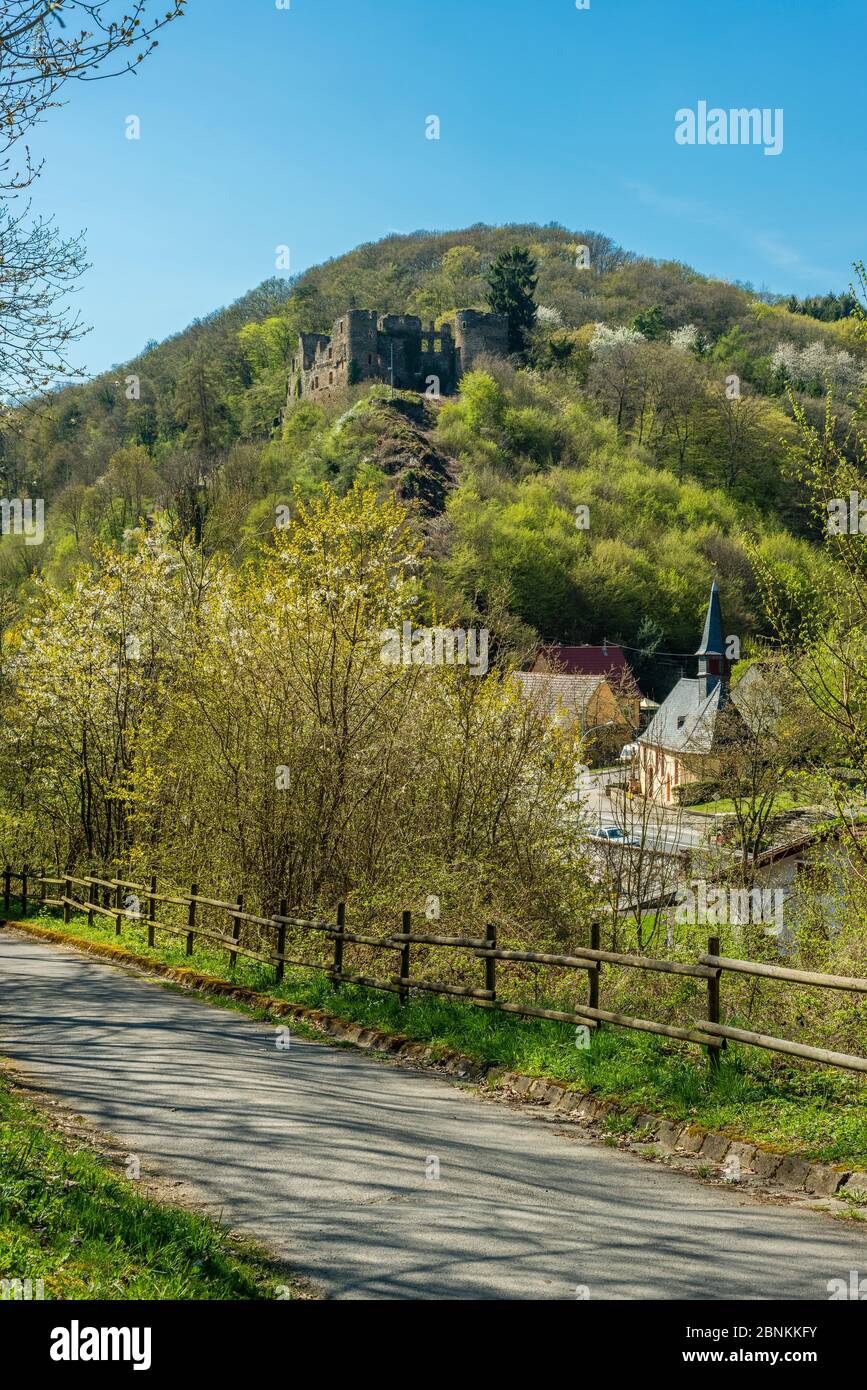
(680, 743)
(586, 704)
(607, 663)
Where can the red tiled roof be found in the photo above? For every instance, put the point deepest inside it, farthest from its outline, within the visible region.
(589, 661)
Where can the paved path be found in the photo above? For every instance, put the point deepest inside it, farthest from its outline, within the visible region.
(322, 1153)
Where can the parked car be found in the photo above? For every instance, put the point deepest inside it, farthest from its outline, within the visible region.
(613, 834)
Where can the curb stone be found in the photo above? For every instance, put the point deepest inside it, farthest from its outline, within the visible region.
(715, 1147)
(692, 1139)
(765, 1163)
(792, 1172)
(856, 1185)
(668, 1134)
(744, 1153)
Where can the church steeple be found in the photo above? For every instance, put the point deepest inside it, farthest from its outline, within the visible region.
(712, 662)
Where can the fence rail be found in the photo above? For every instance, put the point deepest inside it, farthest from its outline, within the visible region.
(709, 1033)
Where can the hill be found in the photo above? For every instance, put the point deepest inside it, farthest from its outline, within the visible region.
(638, 420)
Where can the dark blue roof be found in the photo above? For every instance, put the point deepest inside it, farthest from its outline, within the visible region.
(686, 720)
(712, 637)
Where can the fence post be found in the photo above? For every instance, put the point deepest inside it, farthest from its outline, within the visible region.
(24, 891)
(491, 963)
(118, 909)
(236, 932)
(191, 917)
(337, 972)
(152, 907)
(281, 940)
(593, 975)
(713, 1000)
(42, 886)
(67, 894)
(7, 886)
(406, 928)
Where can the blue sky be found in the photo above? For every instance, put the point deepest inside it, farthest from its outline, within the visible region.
(306, 127)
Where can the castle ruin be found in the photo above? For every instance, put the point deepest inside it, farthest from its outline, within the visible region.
(394, 348)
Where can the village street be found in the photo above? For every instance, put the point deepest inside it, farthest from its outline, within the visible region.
(665, 829)
(379, 1181)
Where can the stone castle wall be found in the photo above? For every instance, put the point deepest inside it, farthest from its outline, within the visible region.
(366, 346)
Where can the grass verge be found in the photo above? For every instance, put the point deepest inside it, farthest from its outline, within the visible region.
(754, 1095)
(71, 1222)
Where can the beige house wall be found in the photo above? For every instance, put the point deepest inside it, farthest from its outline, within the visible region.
(661, 771)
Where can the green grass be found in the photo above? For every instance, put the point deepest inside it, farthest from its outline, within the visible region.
(69, 1220)
(757, 1095)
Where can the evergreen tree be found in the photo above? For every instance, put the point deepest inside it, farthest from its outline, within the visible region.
(651, 323)
(512, 284)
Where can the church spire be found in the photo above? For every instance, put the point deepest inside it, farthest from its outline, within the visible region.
(712, 663)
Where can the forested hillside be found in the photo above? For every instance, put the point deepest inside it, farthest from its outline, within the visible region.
(657, 399)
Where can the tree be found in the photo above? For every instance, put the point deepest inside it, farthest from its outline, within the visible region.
(512, 285)
(37, 270)
(615, 373)
(72, 505)
(738, 438)
(43, 46)
(46, 43)
(461, 265)
(200, 405)
(650, 323)
(682, 394)
(563, 350)
(131, 476)
(244, 722)
(765, 734)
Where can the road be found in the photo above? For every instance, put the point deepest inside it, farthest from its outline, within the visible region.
(324, 1154)
(663, 829)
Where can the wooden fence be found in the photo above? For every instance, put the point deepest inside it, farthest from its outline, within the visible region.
(709, 1032)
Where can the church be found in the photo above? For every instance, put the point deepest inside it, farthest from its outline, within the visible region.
(680, 742)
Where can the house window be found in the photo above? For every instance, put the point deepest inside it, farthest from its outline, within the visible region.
(681, 720)
(329, 354)
(330, 378)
